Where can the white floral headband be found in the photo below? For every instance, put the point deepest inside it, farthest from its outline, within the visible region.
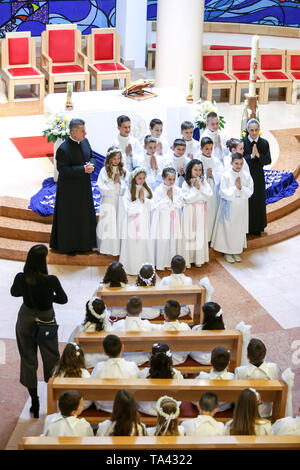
(147, 280)
(135, 172)
(113, 150)
(92, 311)
(165, 415)
(167, 353)
(255, 392)
(77, 349)
(219, 313)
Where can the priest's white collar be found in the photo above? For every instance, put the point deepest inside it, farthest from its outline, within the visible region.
(253, 140)
(77, 142)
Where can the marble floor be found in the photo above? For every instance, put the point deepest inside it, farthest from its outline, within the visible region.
(269, 276)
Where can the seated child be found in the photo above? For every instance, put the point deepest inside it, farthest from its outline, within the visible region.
(171, 323)
(96, 319)
(167, 418)
(287, 426)
(114, 367)
(115, 276)
(125, 419)
(156, 128)
(212, 320)
(246, 420)
(147, 278)
(178, 279)
(205, 424)
(161, 367)
(220, 357)
(179, 160)
(217, 135)
(132, 151)
(66, 422)
(258, 369)
(133, 322)
(192, 149)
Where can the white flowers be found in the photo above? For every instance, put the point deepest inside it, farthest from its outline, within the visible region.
(202, 110)
(57, 126)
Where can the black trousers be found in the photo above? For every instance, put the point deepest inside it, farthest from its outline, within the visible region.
(28, 344)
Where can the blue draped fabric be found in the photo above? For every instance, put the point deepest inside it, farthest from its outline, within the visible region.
(43, 202)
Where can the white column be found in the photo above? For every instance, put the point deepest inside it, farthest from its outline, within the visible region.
(179, 43)
(131, 24)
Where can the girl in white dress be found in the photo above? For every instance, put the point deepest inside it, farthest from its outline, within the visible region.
(195, 191)
(136, 243)
(125, 419)
(96, 319)
(231, 226)
(166, 221)
(168, 410)
(246, 420)
(112, 184)
(147, 278)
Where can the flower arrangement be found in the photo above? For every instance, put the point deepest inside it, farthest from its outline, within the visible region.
(57, 127)
(202, 110)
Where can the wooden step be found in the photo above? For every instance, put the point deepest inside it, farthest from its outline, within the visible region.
(27, 230)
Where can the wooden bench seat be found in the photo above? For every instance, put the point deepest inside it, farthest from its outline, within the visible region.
(160, 442)
(197, 340)
(155, 296)
(189, 390)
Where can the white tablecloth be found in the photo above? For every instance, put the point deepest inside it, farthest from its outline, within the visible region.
(100, 109)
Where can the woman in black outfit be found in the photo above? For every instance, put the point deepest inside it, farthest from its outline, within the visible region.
(39, 290)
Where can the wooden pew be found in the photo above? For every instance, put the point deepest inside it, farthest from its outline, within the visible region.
(198, 340)
(188, 390)
(156, 296)
(160, 443)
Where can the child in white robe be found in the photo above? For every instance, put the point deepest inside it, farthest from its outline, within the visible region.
(147, 278)
(125, 419)
(205, 424)
(112, 183)
(133, 322)
(166, 220)
(213, 170)
(136, 243)
(258, 369)
(178, 160)
(156, 129)
(246, 420)
(115, 367)
(177, 279)
(196, 192)
(231, 225)
(217, 135)
(192, 149)
(287, 426)
(152, 162)
(161, 367)
(96, 319)
(115, 276)
(66, 422)
(220, 357)
(168, 411)
(171, 323)
(132, 150)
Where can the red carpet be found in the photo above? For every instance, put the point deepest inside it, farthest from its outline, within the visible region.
(33, 147)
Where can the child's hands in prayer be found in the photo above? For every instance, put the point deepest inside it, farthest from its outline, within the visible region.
(238, 183)
(159, 148)
(209, 173)
(218, 141)
(142, 195)
(117, 178)
(170, 193)
(190, 155)
(197, 183)
(181, 171)
(153, 163)
(128, 150)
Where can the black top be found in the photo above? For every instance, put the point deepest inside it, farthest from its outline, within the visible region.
(41, 295)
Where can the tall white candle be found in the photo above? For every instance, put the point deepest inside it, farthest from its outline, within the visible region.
(253, 66)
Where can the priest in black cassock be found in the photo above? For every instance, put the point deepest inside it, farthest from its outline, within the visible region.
(74, 221)
(257, 154)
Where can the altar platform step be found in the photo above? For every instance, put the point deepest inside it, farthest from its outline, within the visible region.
(26, 230)
(16, 207)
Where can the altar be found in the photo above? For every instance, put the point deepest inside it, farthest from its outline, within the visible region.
(100, 109)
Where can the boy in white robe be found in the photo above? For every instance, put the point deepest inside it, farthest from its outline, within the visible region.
(67, 423)
(133, 322)
(115, 367)
(156, 129)
(258, 369)
(220, 357)
(171, 323)
(287, 426)
(152, 162)
(178, 279)
(166, 220)
(231, 225)
(132, 150)
(179, 160)
(205, 424)
(218, 136)
(213, 170)
(192, 149)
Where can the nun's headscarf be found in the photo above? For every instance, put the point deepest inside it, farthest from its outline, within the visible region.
(252, 121)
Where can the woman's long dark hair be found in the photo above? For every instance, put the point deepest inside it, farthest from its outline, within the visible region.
(115, 274)
(35, 267)
(125, 415)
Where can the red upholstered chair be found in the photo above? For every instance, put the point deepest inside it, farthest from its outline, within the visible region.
(104, 57)
(239, 68)
(62, 59)
(214, 74)
(293, 71)
(18, 63)
(272, 66)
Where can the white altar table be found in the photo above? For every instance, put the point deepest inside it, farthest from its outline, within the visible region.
(100, 109)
